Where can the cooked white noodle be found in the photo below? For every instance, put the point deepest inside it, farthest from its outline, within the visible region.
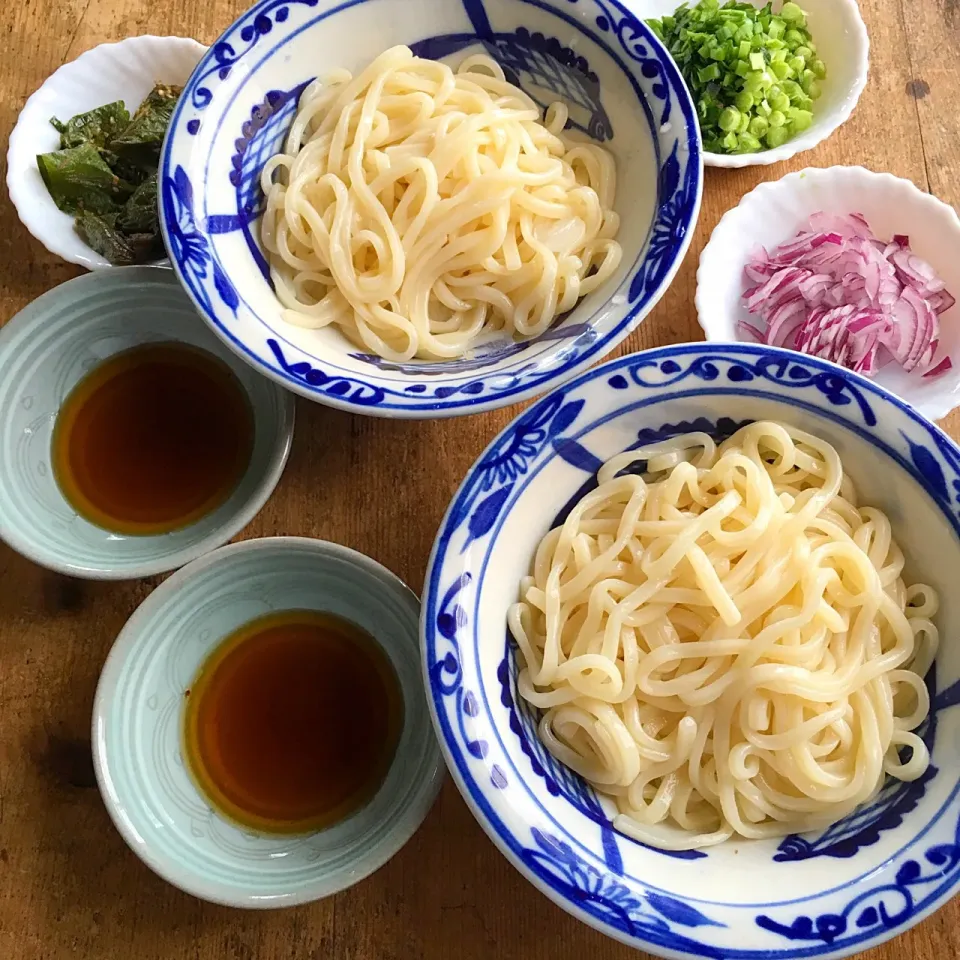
(726, 645)
(417, 207)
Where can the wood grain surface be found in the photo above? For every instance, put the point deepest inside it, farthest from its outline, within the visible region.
(69, 887)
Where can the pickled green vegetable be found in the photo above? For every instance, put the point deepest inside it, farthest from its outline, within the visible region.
(139, 213)
(98, 126)
(102, 233)
(105, 174)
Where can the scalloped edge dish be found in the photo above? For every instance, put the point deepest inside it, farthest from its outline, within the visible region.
(111, 71)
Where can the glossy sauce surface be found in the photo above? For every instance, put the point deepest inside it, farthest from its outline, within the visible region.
(292, 723)
(153, 439)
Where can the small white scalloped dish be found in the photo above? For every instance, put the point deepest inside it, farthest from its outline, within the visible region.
(844, 46)
(124, 71)
(775, 212)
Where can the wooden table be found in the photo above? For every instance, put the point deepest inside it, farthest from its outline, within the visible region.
(69, 887)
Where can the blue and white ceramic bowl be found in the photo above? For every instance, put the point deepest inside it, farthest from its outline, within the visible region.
(51, 345)
(621, 88)
(138, 720)
(865, 879)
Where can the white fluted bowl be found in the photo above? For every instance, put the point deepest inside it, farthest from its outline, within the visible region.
(124, 71)
(774, 212)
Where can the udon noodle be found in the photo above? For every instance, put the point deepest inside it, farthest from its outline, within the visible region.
(725, 644)
(418, 208)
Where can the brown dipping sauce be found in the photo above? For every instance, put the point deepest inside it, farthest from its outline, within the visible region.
(292, 723)
(153, 439)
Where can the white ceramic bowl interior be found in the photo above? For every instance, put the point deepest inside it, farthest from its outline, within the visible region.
(823, 895)
(124, 71)
(44, 351)
(138, 719)
(774, 212)
(240, 102)
(844, 46)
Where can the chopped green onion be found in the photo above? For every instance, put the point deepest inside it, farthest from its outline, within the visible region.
(779, 101)
(780, 70)
(753, 82)
(776, 137)
(792, 13)
(729, 119)
(753, 73)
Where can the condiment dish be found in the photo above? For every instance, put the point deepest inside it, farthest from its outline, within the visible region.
(824, 895)
(844, 46)
(45, 350)
(595, 55)
(774, 212)
(111, 71)
(139, 713)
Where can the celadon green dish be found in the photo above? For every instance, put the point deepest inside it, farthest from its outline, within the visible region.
(139, 714)
(45, 350)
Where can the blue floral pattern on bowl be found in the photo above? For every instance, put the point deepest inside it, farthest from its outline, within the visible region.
(225, 128)
(237, 43)
(848, 888)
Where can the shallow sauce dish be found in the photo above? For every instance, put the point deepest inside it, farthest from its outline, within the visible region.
(620, 86)
(823, 895)
(139, 713)
(45, 352)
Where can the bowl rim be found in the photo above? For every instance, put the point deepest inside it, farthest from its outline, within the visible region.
(53, 237)
(423, 794)
(123, 276)
(801, 144)
(474, 793)
(461, 402)
(707, 309)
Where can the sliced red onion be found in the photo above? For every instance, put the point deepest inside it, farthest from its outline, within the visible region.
(838, 292)
(941, 302)
(942, 367)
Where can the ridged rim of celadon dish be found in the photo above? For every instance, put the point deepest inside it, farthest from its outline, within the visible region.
(151, 816)
(75, 326)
